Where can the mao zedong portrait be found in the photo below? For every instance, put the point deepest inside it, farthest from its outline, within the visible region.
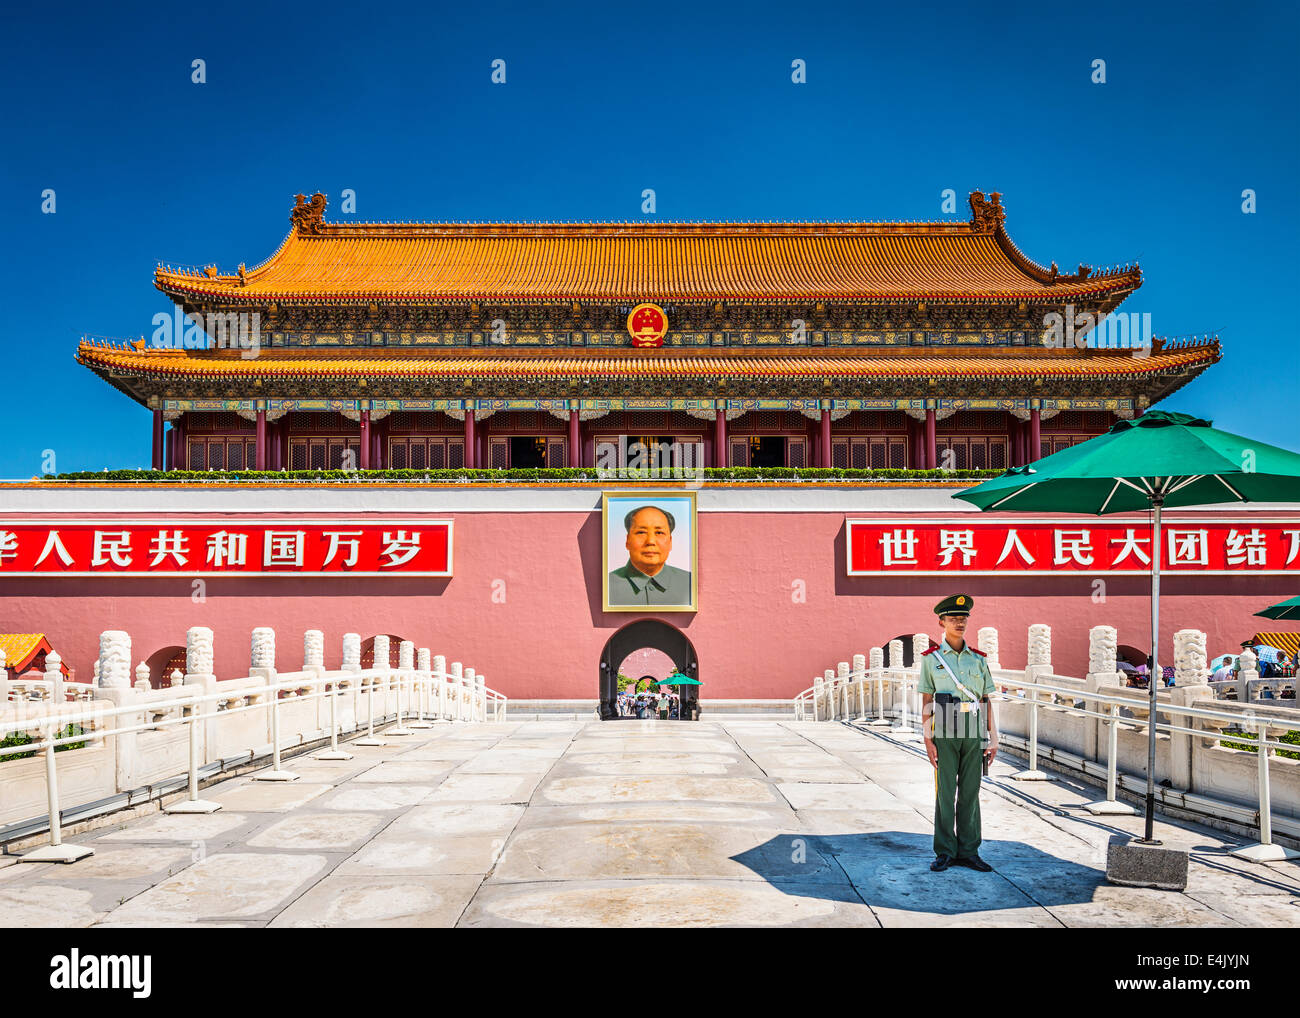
(647, 578)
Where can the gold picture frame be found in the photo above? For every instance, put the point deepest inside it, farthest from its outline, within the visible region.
(633, 589)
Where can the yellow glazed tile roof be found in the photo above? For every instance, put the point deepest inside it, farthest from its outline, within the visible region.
(20, 648)
(409, 363)
(650, 261)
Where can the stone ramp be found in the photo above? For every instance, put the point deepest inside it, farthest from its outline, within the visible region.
(578, 823)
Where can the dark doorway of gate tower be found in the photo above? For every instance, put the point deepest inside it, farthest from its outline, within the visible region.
(659, 640)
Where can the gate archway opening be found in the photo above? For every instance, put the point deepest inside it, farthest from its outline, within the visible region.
(652, 635)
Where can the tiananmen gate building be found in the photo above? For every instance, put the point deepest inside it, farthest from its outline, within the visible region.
(422, 347)
(431, 345)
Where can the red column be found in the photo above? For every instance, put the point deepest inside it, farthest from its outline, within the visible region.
(169, 441)
(483, 450)
(824, 440)
(284, 443)
(931, 449)
(720, 438)
(365, 440)
(575, 441)
(1035, 435)
(259, 456)
(158, 438)
(471, 461)
(178, 444)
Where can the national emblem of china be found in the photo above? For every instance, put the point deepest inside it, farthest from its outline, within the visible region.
(647, 325)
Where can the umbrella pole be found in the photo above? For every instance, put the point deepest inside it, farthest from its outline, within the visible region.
(1153, 668)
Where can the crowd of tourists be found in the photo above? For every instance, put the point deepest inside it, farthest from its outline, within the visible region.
(656, 701)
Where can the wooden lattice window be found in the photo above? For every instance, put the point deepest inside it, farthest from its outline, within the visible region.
(499, 454)
(797, 452)
(649, 421)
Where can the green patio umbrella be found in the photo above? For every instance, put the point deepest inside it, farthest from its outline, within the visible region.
(1289, 609)
(1155, 461)
(678, 679)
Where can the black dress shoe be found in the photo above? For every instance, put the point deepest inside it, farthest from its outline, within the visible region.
(975, 863)
(941, 862)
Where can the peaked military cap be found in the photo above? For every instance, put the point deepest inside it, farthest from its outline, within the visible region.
(955, 604)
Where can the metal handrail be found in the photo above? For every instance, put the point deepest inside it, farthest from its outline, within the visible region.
(182, 708)
(1027, 691)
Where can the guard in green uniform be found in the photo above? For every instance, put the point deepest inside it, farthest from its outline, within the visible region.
(955, 687)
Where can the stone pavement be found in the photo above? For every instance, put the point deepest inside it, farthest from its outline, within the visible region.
(582, 823)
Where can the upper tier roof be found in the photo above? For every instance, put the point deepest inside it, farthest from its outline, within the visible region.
(971, 261)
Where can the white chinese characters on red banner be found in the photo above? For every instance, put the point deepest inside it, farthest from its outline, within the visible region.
(214, 547)
(933, 547)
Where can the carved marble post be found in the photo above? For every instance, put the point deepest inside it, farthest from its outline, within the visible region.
(817, 697)
(1191, 683)
(877, 659)
(420, 705)
(454, 677)
(1190, 665)
(262, 646)
(198, 654)
(987, 640)
(352, 663)
(383, 660)
(842, 677)
(895, 666)
(1040, 646)
(1102, 648)
(405, 665)
(199, 671)
(176, 678)
(351, 652)
(114, 660)
(1247, 672)
(828, 678)
(1039, 663)
(860, 678)
(313, 650)
(1102, 671)
(54, 676)
(440, 684)
(142, 678)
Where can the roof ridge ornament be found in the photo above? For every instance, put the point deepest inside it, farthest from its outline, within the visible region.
(308, 217)
(987, 215)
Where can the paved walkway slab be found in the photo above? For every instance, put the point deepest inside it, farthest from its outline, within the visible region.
(731, 822)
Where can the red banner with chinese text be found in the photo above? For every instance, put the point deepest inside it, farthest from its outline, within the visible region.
(225, 547)
(936, 547)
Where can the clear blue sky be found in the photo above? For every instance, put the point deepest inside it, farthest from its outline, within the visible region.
(601, 101)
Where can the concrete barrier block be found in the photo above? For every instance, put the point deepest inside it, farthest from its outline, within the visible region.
(1133, 865)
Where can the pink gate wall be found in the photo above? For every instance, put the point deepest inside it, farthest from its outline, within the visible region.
(524, 606)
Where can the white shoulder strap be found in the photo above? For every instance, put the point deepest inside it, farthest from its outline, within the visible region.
(952, 675)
